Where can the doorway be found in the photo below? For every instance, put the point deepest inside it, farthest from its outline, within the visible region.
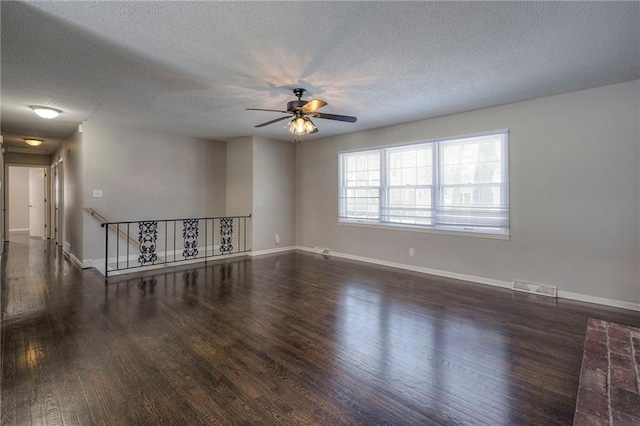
(26, 201)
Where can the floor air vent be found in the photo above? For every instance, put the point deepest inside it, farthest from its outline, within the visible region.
(539, 289)
(323, 251)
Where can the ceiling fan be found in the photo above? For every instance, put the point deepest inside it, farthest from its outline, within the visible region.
(301, 110)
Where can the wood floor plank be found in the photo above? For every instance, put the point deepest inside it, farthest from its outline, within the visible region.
(291, 339)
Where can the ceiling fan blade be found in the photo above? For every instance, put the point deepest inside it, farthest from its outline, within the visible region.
(346, 118)
(271, 110)
(313, 105)
(272, 121)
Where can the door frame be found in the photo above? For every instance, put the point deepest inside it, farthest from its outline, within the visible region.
(47, 196)
(57, 201)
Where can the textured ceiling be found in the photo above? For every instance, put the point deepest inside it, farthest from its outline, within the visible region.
(193, 67)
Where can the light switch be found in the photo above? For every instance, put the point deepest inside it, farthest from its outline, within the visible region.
(97, 193)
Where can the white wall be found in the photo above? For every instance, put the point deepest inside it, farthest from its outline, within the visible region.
(18, 198)
(145, 175)
(273, 193)
(574, 190)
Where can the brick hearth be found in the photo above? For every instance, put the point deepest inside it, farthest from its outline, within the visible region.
(609, 391)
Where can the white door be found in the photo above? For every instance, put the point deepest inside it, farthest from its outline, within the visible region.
(36, 202)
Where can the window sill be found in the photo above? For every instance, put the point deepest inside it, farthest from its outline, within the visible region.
(409, 228)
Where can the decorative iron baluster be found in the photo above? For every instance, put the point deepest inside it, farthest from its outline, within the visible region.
(226, 233)
(190, 236)
(147, 237)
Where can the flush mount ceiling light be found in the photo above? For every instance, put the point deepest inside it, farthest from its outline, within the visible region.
(46, 112)
(33, 142)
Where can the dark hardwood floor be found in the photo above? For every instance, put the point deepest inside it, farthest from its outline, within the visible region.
(292, 338)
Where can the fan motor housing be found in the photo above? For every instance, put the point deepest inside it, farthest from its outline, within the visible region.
(295, 105)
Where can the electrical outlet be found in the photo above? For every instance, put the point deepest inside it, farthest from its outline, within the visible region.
(411, 252)
(277, 239)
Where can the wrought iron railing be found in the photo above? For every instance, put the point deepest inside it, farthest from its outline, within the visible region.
(152, 243)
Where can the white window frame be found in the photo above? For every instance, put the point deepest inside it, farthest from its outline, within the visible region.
(437, 191)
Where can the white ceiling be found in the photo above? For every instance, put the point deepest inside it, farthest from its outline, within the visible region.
(193, 67)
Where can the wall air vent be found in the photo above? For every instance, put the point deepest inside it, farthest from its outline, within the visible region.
(539, 289)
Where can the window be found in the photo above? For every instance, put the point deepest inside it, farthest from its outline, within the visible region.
(457, 184)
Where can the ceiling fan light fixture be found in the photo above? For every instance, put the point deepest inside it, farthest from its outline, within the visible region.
(33, 142)
(46, 112)
(309, 127)
(300, 126)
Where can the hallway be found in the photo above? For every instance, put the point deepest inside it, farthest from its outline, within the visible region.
(292, 338)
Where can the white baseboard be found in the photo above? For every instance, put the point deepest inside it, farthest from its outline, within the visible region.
(599, 300)
(19, 230)
(169, 255)
(98, 264)
(271, 251)
(480, 280)
(76, 261)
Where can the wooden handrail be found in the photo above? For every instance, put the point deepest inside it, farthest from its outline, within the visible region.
(121, 232)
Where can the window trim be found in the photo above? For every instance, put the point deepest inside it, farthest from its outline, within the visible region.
(434, 229)
(421, 229)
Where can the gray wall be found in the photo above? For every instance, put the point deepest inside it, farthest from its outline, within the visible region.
(273, 193)
(18, 198)
(574, 190)
(27, 159)
(2, 201)
(240, 176)
(148, 175)
(72, 154)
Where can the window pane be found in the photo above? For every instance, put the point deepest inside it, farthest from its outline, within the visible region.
(362, 206)
(374, 161)
(481, 196)
(423, 197)
(395, 177)
(351, 162)
(409, 205)
(409, 176)
(410, 197)
(476, 161)
(424, 176)
(360, 181)
(418, 217)
(474, 187)
(409, 158)
(410, 165)
(423, 157)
